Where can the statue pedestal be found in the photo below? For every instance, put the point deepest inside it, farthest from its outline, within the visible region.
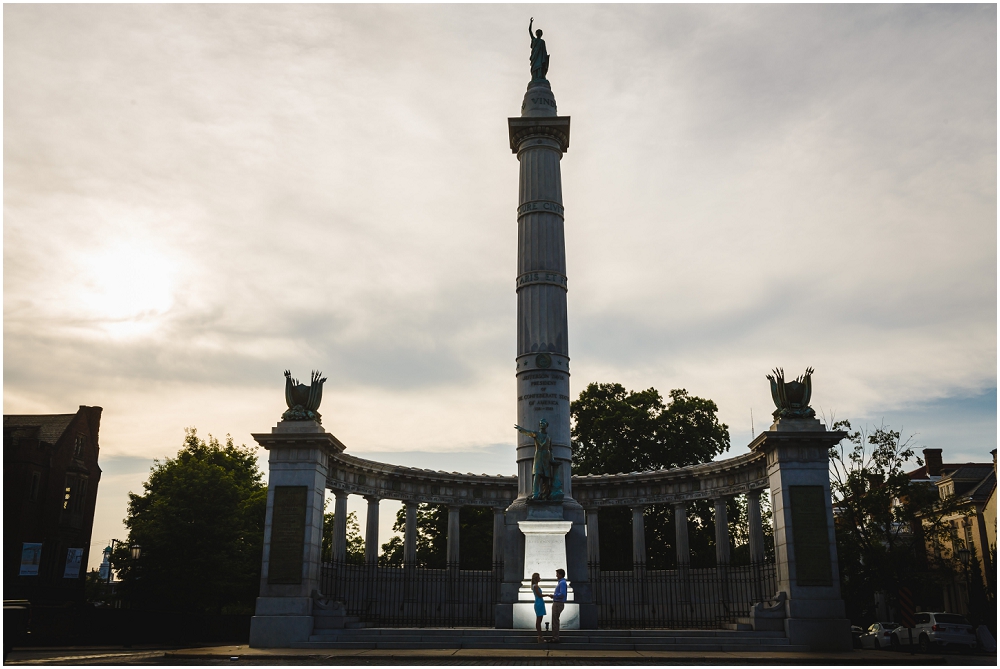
(544, 551)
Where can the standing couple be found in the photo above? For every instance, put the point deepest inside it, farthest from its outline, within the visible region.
(558, 603)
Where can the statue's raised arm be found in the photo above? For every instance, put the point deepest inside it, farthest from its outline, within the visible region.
(531, 34)
(524, 430)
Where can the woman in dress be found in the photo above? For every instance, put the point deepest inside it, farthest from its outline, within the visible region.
(539, 604)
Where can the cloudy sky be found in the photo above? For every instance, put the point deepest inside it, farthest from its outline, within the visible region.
(197, 197)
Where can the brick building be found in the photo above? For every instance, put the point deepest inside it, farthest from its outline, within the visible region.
(50, 490)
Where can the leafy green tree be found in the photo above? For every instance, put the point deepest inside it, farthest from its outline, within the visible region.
(200, 526)
(475, 537)
(883, 520)
(615, 430)
(355, 543)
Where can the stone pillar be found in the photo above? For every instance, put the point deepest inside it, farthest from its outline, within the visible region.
(721, 532)
(756, 527)
(454, 527)
(371, 530)
(498, 533)
(593, 539)
(540, 137)
(340, 526)
(298, 464)
(410, 534)
(681, 534)
(638, 538)
(797, 456)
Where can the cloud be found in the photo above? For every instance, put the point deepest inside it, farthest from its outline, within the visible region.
(197, 197)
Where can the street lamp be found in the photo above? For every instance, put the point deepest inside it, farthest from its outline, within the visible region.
(136, 551)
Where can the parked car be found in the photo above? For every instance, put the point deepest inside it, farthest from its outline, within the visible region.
(937, 629)
(878, 635)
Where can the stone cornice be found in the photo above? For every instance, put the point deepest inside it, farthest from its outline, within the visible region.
(555, 127)
(734, 476)
(325, 440)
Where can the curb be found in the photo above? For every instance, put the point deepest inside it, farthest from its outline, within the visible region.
(483, 655)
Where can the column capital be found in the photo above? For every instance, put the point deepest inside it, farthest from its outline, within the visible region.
(373, 499)
(341, 494)
(554, 127)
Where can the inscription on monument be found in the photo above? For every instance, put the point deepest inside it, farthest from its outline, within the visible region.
(288, 534)
(811, 533)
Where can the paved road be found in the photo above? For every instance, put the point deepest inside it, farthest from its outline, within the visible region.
(241, 655)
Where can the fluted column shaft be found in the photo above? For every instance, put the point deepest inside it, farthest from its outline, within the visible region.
(681, 534)
(593, 539)
(542, 339)
(498, 531)
(638, 537)
(721, 532)
(340, 526)
(454, 526)
(371, 530)
(756, 527)
(410, 534)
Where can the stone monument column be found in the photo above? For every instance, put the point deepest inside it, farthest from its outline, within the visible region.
(797, 451)
(539, 138)
(299, 453)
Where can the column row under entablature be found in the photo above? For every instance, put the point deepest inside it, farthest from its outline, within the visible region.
(718, 481)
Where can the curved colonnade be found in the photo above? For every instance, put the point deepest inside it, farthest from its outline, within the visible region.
(718, 481)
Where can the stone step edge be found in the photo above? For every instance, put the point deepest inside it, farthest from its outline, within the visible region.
(530, 639)
(652, 633)
(705, 648)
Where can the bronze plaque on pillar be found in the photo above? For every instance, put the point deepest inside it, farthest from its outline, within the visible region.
(810, 533)
(288, 535)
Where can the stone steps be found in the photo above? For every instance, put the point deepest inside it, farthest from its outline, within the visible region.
(670, 640)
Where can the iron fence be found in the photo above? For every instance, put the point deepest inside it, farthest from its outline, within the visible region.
(413, 596)
(682, 597)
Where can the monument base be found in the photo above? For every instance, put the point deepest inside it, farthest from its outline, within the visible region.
(820, 633)
(524, 616)
(279, 631)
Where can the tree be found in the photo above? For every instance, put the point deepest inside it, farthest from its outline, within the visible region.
(883, 520)
(355, 544)
(615, 430)
(200, 525)
(475, 537)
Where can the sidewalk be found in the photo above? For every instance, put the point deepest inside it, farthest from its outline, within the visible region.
(243, 655)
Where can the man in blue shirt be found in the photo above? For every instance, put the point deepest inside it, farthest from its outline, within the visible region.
(558, 602)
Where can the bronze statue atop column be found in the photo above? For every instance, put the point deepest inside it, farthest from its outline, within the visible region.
(539, 56)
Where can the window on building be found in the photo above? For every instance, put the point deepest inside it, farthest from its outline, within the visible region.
(81, 495)
(36, 484)
(81, 441)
